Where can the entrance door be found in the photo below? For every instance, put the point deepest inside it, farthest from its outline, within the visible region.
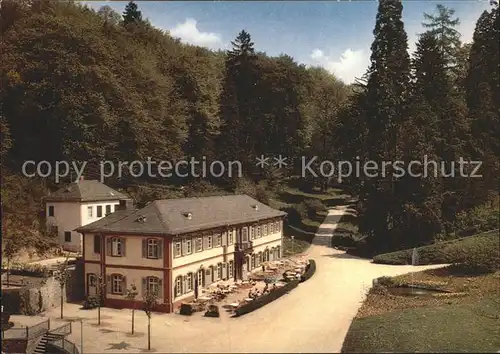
(200, 277)
(91, 284)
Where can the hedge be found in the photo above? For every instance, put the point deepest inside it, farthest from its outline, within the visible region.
(33, 270)
(266, 299)
(454, 251)
(310, 270)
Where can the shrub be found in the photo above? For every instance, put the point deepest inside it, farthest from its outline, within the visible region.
(481, 256)
(313, 206)
(310, 270)
(385, 281)
(213, 311)
(295, 213)
(186, 309)
(91, 302)
(481, 218)
(343, 241)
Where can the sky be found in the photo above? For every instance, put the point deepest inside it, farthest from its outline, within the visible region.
(336, 35)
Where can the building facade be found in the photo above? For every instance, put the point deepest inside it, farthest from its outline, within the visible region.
(79, 204)
(176, 247)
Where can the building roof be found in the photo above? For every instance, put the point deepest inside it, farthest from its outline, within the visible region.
(85, 191)
(178, 216)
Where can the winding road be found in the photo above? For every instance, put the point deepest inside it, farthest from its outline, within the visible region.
(314, 317)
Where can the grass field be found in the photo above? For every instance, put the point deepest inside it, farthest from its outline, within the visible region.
(473, 327)
(443, 252)
(465, 320)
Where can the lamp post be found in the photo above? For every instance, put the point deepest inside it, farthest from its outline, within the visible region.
(81, 335)
(293, 238)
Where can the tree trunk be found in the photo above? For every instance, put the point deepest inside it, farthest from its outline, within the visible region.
(133, 313)
(62, 302)
(8, 272)
(149, 333)
(99, 314)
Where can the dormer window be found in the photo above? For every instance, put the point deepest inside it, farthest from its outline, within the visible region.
(255, 207)
(142, 219)
(188, 215)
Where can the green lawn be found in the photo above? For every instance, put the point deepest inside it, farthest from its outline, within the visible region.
(471, 327)
(443, 252)
(295, 247)
(465, 319)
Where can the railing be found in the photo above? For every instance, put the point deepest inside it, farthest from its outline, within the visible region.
(63, 330)
(28, 332)
(37, 330)
(244, 246)
(62, 345)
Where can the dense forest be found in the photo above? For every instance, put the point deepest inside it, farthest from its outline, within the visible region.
(87, 85)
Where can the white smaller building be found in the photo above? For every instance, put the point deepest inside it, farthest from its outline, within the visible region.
(78, 204)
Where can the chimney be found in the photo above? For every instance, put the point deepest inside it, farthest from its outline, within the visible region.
(125, 204)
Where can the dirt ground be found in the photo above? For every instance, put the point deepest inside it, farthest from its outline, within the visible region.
(314, 317)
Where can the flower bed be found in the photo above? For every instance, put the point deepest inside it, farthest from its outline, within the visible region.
(265, 299)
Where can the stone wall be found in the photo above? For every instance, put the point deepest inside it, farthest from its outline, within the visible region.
(35, 299)
(14, 346)
(39, 299)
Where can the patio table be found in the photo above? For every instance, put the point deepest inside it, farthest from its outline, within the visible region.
(235, 304)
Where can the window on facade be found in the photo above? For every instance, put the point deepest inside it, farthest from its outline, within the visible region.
(265, 230)
(92, 279)
(279, 225)
(153, 285)
(108, 209)
(219, 271)
(244, 235)
(252, 232)
(230, 269)
(178, 249)
(258, 232)
(153, 248)
(116, 247)
(99, 211)
(67, 236)
(230, 236)
(178, 286)
(97, 244)
(189, 282)
(51, 210)
(271, 228)
(89, 211)
(209, 242)
(117, 284)
(200, 277)
(218, 240)
(189, 246)
(199, 244)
